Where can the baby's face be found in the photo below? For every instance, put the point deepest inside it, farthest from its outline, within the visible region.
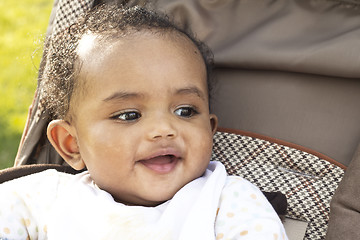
(143, 125)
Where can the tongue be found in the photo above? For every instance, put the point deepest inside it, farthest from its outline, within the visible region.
(159, 164)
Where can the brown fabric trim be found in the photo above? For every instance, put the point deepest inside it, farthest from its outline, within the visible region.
(282, 142)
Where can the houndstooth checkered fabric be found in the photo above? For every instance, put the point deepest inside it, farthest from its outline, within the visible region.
(68, 11)
(307, 181)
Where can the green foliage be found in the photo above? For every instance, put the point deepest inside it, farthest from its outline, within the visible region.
(23, 24)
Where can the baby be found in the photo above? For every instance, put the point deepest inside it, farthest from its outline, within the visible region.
(129, 93)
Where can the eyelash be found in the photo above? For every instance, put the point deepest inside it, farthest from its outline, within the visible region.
(191, 109)
(133, 115)
(127, 116)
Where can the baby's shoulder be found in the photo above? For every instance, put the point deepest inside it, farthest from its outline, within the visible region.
(238, 187)
(240, 183)
(244, 212)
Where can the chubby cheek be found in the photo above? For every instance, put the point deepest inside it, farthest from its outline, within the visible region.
(103, 149)
(206, 155)
(200, 151)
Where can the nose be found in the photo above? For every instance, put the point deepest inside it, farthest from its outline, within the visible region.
(161, 128)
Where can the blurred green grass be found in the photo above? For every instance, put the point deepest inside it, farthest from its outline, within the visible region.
(23, 24)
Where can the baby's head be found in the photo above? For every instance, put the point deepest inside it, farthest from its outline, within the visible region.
(130, 95)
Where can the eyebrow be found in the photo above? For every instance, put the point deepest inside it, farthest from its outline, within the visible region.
(118, 96)
(123, 96)
(191, 90)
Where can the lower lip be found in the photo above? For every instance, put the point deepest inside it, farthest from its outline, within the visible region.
(161, 165)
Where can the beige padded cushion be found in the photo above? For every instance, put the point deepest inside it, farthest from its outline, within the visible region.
(311, 36)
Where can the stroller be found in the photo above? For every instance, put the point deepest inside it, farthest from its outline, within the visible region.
(287, 98)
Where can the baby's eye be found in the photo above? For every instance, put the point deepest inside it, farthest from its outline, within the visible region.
(186, 112)
(127, 116)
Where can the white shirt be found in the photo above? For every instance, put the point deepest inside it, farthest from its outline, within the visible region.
(53, 205)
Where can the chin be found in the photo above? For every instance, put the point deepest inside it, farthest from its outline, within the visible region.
(152, 202)
(146, 201)
(158, 198)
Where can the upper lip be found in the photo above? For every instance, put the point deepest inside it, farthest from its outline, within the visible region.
(168, 151)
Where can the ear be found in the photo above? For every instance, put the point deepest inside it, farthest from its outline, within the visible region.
(213, 123)
(62, 136)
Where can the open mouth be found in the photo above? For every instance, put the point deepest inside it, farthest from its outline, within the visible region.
(162, 163)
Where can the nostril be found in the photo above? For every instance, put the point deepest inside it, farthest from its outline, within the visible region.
(162, 131)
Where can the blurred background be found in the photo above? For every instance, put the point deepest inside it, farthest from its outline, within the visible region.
(23, 25)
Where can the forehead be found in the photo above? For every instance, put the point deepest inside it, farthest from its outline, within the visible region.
(116, 53)
(102, 45)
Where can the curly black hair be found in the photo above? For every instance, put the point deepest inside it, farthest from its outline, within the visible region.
(61, 69)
